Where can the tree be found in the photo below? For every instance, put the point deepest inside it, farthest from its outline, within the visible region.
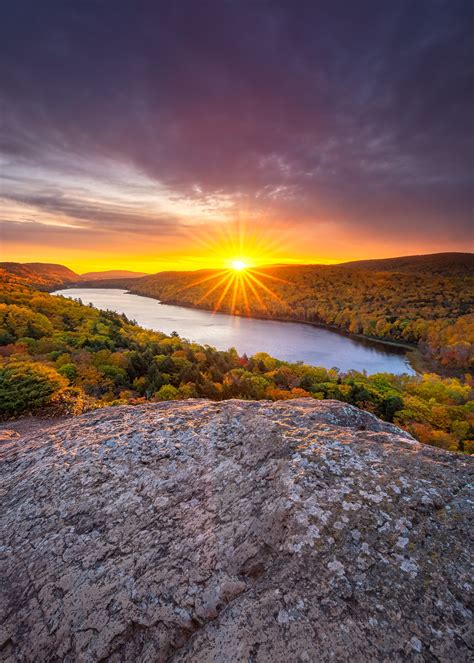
(390, 406)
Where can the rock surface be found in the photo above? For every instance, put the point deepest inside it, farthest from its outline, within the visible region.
(234, 531)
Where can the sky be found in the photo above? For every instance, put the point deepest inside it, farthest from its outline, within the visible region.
(179, 135)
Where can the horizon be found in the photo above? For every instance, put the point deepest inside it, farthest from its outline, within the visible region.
(266, 134)
(228, 264)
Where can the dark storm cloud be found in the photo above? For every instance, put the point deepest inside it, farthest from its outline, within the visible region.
(364, 108)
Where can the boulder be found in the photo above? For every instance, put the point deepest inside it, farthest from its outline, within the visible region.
(238, 531)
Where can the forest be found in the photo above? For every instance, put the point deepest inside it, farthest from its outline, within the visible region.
(59, 356)
(431, 308)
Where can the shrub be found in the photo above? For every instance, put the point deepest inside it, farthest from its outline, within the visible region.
(27, 386)
(167, 393)
(69, 371)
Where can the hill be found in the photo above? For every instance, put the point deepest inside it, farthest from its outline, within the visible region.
(49, 276)
(111, 274)
(445, 264)
(292, 531)
(38, 274)
(59, 357)
(425, 300)
(422, 300)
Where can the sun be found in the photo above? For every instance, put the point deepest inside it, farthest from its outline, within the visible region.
(239, 285)
(234, 287)
(238, 265)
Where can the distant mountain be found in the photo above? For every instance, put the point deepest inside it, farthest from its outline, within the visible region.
(437, 264)
(39, 274)
(111, 274)
(47, 276)
(443, 264)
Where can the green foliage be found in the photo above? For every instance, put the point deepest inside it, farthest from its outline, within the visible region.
(69, 371)
(166, 393)
(102, 358)
(18, 322)
(26, 386)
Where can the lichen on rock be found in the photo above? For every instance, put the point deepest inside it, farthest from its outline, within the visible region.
(236, 531)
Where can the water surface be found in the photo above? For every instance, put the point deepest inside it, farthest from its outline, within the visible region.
(289, 341)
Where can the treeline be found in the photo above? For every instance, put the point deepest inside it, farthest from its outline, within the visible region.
(38, 274)
(61, 356)
(432, 311)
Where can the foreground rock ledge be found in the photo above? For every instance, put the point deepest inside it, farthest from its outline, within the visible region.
(233, 531)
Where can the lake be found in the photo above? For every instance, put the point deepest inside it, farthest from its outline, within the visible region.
(289, 341)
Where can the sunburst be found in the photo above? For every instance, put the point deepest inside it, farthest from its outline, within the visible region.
(241, 283)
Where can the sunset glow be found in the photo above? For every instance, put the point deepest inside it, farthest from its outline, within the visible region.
(297, 161)
(240, 283)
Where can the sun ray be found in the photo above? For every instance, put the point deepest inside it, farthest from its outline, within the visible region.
(237, 279)
(203, 280)
(242, 234)
(224, 292)
(262, 285)
(257, 296)
(242, 246)
(214, 287)
(244, 295)
(269, 276)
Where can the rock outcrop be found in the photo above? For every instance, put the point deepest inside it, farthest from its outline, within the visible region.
(234, 531)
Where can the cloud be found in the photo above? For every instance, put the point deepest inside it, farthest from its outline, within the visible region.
(356, 112)
(98, 216)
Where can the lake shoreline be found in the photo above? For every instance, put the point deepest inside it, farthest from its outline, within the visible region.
(321, 325)
(406, 352)
(414, 356)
